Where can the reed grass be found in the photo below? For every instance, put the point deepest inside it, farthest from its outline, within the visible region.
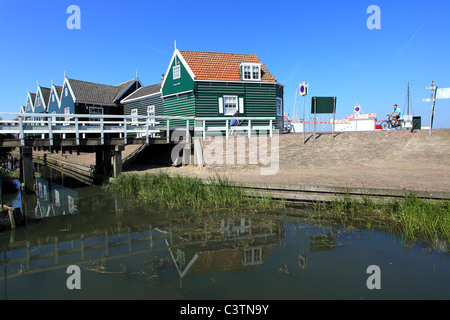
(176, 192)
(411, 216)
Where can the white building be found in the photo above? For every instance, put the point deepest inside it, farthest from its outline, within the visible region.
(357, 121)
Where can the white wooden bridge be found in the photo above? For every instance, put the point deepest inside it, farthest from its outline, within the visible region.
(77, 129)
(108, 135)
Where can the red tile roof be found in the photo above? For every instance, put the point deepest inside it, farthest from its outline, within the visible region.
(222, 66)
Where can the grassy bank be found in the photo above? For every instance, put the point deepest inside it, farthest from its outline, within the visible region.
(176, 192)
(411, 216)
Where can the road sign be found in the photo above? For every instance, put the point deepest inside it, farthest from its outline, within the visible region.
(443, 93)
(303, 88)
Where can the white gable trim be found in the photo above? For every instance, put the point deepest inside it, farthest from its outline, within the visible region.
(31, 102)
(41, 97)
(55, 92)
(186, 66)
(139, 98)
(129, 86)
(66, 81)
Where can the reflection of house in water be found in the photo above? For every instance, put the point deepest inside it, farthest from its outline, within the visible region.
(229, 247)
(54, 199)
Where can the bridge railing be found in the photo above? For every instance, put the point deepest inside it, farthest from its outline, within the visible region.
(32, 124)
(48, 126)
(214, 125)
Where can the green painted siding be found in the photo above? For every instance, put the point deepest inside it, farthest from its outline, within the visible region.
(259, 99)
(142, 105)
(182, 84)
(180, 105)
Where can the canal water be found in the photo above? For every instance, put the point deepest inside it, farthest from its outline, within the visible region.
(82, 242)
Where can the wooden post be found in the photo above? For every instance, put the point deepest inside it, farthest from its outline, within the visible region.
(27, 169)
(117, 160)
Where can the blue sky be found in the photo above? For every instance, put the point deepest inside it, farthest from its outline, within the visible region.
(324, 42)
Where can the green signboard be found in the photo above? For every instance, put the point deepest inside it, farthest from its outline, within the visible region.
(323, 105)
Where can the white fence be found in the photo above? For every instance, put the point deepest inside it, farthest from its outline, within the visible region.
(202, 127)
(80, 125)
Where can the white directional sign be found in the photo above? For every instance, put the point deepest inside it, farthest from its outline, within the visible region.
(443, 93)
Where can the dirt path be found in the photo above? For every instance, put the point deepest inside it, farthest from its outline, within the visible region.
(391, 159)
(394, 159)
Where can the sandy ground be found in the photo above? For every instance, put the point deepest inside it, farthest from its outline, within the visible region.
(391, 159)
(395, 159)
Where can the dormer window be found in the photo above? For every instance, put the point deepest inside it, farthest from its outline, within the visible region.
(251, 71)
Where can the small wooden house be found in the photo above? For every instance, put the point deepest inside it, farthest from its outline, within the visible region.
(82, 97)
(54, 100)
(145, 101)
(42, 98)
(215, 84)
(31, 97)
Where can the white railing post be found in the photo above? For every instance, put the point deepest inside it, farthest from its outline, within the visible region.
(22, 136)
(125, 141)
(50, 131)
(77, 132)
(271, 128)
(168, 131)
(204, 130)
(187, 131)
(146, 130)
(226, 129)
(102, 136)
(249, 128)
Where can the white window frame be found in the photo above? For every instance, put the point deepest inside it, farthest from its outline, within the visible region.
(93, 110)
(66, 111)
(176, 70)
(66, 92)
(279, 106)
(250, 71)
(151, 112)
(228, 110)
(134, 121)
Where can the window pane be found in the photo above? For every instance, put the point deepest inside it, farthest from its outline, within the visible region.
(247, 72)
(230, 104)
(255, 73)
(176, 72)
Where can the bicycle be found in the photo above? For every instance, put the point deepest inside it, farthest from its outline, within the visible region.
(390, 124)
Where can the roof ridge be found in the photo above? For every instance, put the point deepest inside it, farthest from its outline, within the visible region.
(220, 52)
(97, 83)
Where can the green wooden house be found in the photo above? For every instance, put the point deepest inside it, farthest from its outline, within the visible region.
(214, 84)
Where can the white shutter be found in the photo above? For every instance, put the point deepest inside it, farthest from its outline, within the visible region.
(221, 105)
(241, 105)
